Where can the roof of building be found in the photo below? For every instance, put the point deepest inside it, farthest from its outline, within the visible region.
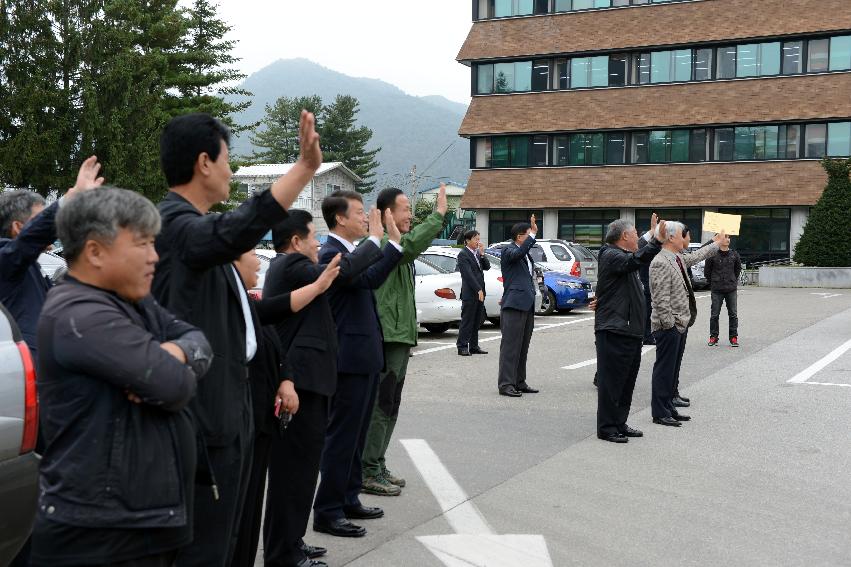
(279, 169)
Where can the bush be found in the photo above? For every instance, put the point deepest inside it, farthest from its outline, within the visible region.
(826, 240)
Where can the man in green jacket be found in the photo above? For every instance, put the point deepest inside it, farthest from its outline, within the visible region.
(397, 311)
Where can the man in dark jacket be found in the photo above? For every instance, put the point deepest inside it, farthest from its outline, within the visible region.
(722, 272)
(195, 280)
(116, 372)
(619, 327)
(517, 313)
(472, 263)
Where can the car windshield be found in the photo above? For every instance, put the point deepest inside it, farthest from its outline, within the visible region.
(582, 253)
(423, 268)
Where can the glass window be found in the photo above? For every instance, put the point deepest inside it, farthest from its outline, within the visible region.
(600, 71)
(641, 72)
(615, 147)
(697, 149)
(638, 147)
(561, 6)
(617, 69)
(524, 7)
(764, 234)
(483, 152)
(703, 64)
(541, 75)
(542, 6)
(772, 142)
(519, 151)
(790, 141)
(747, 63)
(818, 60)
(585, 226)
(577, 149)
(501, 221)
(597, 149)
(660, 66)
(724, 139)
(679, 145)
(563, 73)
(523, 76)
(839, 139)
(485, 79)
(579, 72)
(500, 151)
(503, 77)
(589, 72)
(560, 252)
(583, 4)
(816, 135)
(793, 57)
(682, 65)
(745, 143)
(660, 146)
(539, 150)
(502, 8)
(693, 218)
(726, 62)
(560, 150)
(840, 53)
(769, 59)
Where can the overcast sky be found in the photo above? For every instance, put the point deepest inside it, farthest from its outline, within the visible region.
(409, 44)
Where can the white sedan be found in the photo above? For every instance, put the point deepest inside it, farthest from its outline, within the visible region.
(438, 297)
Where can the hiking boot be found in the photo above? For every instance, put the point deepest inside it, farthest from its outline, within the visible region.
(713, 341)
(379, 486)
(734, 341)
(391, 478)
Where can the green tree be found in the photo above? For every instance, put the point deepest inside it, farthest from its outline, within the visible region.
(343, 141)
(825, 240)
(277, 137)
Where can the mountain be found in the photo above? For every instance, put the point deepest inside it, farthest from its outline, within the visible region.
(409, 129)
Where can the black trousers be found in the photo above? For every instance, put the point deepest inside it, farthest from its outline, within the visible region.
(216, 523)
(680, 354)
(668, 343)
(618, 361)
(252, 512)
(293, 471)
(340, 467)
(472, 315)
(718, 299)
(517, 327)
(648, 310)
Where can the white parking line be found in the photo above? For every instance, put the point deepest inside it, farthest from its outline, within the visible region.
(819, 365)
(593, 361)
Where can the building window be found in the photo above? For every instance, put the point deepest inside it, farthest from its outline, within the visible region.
(816, 138)
(726, 68)
(483, 152)
(702, 64)
(616, 148)
(698, 145)
(839, 139)
(541, 75)
(693, 218)
(330, 188)
(501, 221)
(586, 226)
(724, 142)
(756, 142)
(539, 150)
(793, 57)
(641, 73)
(589, 72)
(563, 73)
(670, 66)
(818, 59)
(618, 65)
(790, 141)
(757, 59)
(764, 233)
(587, 149)
(561, 150)
(840, 53)
(484, 81)
(638, 147)
(506, 8)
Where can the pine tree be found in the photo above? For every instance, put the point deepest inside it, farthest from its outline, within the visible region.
(342, 141)
(825, 241)
(278, 138)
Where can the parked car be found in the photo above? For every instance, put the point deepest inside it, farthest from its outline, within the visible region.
(52, 265)
(557, 254)
(698, 279)
(446, 258)
(564, 292)
(438, 297)
(265, 256)
(18, 432)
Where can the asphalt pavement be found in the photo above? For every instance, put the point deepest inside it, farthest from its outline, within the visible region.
(758, 477)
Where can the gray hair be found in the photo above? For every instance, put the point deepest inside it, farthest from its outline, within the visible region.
(17, 206)
(671, 228)
(99, 214)
(616, 230)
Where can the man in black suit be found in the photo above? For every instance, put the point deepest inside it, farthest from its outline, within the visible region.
(517, 316)
(310, 341)
(471, 263)
(196, 281)
(359, 360)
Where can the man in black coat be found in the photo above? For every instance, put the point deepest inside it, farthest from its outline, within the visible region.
(619, 326)
(722, 272)
(472, 262)
(195, 279)
(116, 371)
(517, 314)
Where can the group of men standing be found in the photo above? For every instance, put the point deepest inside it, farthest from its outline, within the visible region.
(166, 389)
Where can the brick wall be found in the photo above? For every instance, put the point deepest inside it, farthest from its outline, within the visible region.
(653, 25)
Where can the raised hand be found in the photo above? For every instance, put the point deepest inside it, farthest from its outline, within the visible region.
(310, 154)
(375, 228)
(442, 204)
(663, 231)
(654, 220)
(719, 238)
(329, 274)
(392, 230)
(534, 224)
(87, 177)
(481, 248)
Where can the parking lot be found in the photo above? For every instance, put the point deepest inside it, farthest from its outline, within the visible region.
(759, 476)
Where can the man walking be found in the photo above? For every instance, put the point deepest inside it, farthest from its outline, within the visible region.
(195, 280)
(517, 313)
(722, 272)
(619, 325)
(397, 311)
(472, 262)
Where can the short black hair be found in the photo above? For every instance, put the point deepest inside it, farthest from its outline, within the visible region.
(185, 138)
(387, 198)
(518, 229)
(17, 206)
(337, 203)
(470, 235)
(296, 224)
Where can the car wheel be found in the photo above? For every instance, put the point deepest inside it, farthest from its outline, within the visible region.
(494, 321)
(436, 328)
(548, 303)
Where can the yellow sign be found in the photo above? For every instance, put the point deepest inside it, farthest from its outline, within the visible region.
(716, 222)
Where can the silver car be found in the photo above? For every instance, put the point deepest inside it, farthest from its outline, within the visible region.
(18, 432)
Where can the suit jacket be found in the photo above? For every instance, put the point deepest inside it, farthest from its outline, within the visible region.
(195, 280)
(309, 337)
(518, 286)
(672, 294)
(23, 289)
(472, 274)
(359, 338)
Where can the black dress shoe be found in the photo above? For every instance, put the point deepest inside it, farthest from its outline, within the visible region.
(477, 351)
(339, 528)
(628, 431)
(510, 392)
(683, 398)
(681, 417)
(463, 352)
(665, 421)
(680, 403)
(527, 390)
(362, 512)
(613, 437)
(308, 562)
(312, 551)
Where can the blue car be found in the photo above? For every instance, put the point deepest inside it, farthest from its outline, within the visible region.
(564, 292)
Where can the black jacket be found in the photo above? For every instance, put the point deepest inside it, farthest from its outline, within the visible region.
(195, 280)
(108, 462)
(310, 337)
(472, 275)
(23, 289)
(722, 271)
(621, 304)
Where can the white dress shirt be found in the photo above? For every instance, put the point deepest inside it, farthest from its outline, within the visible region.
(250, 337)
(351, 247)
(475, 254)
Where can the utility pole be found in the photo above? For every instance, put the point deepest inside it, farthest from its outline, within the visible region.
(415, 185)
